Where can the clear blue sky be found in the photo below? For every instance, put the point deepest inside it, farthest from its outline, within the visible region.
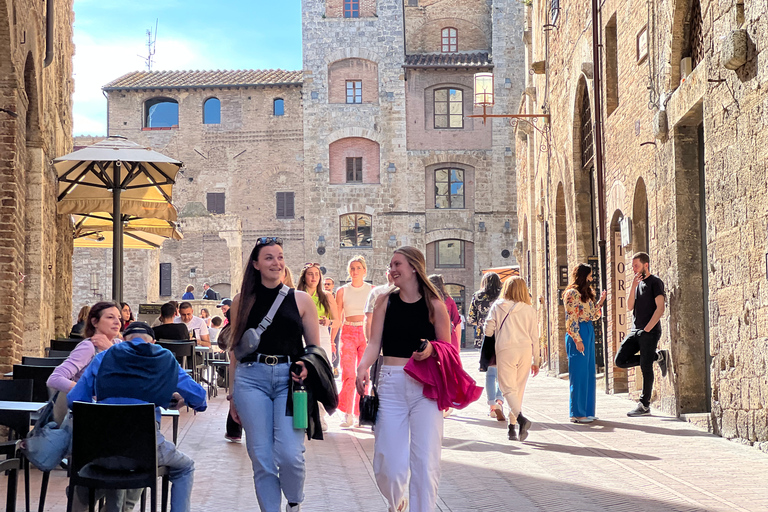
(110, 38)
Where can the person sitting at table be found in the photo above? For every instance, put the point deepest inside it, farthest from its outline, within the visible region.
(215, 329)
(195, 324)
(102, 330)
(79, 327)
(156, 378)
(168, 329)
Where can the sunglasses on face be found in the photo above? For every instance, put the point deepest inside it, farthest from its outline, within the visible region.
(269, 240)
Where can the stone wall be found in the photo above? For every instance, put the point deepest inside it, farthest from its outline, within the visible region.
(691, 195)
(35, 127)
(471, 18)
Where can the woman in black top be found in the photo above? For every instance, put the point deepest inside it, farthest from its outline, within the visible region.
(260, 383)
(409, 426)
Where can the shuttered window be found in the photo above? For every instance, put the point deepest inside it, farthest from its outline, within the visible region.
(285, 208)
(165, 280)
(355, 169)
(216, 202)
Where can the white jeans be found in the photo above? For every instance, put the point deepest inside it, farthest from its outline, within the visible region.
(514, 365)
(409, 434)
(325, 342)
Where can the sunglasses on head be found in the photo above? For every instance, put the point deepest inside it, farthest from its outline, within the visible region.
(309, 265)
(269, 240)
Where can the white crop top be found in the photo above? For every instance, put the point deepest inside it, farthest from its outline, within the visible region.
(354, 299)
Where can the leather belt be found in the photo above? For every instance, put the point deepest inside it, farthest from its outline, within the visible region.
(270, 360)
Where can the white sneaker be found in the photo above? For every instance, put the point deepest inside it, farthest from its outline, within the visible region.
(349, 421)
(323, 424)
(289, 508)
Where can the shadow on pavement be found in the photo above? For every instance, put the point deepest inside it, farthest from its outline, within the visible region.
(610, 426)
(505, 446)
(584, 451)
(498, 489)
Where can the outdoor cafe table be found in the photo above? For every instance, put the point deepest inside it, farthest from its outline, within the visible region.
(11, 406)
(175, 415)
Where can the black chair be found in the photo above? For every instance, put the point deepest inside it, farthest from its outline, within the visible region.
(184, 351)
(17, 422)
(39, 374)
(64, 345)
(42, 361)
(58, 353)
(124, 439)
(11, 465)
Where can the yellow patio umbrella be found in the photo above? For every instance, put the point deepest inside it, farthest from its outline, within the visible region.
(95, 231)
(120, 177)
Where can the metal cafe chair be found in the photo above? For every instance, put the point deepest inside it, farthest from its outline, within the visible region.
(42, 361)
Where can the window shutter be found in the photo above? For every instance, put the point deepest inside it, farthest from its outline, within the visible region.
(289, 213)
(165, 280)
(281, 205)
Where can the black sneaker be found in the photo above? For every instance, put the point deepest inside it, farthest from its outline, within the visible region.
(524, 424)
(511, 434)
(663, 360)
(640, 410)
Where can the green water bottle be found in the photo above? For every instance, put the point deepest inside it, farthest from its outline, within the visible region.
(300, 419)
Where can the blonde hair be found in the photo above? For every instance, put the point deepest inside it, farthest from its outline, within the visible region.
(288, 278)
(360, 259)
(516, 290)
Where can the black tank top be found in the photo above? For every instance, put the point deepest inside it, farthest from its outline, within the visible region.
(405, 325)
(283, 336)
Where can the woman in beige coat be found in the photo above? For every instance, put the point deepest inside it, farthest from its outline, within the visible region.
(513, 320)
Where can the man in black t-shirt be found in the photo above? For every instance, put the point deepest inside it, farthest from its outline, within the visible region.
(169, 330)
(646, 301)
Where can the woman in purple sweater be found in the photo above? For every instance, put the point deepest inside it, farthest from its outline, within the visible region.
(102, 330)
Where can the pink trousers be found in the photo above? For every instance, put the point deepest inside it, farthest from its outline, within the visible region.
(352, 348)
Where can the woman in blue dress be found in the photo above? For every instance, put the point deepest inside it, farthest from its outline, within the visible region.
(580, 311)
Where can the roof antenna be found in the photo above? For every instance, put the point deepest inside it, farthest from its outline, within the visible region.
(149, 60)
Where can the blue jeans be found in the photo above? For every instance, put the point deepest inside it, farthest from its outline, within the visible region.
(275, 447)
(492, 390)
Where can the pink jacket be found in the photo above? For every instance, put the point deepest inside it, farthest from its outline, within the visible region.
(444, 379)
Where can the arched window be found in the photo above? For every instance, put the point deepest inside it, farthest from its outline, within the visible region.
(449, 108)
(278, 107)
(586, 131)
(450, 40)
(355, 230)
(449, 188)
(161, 113)
(212, 111)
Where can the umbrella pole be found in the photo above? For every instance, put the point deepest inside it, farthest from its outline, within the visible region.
(117, 237)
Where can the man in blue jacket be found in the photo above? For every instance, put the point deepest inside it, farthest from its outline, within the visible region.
(138, 371)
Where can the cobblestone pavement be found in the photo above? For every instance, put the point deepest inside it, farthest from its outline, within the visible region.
(616, 464)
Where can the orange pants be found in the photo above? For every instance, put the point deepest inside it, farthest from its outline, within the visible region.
(352, 348)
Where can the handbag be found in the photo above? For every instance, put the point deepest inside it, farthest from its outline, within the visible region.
(48, 443)
(488, 348)
(249, 343)
(369, 404)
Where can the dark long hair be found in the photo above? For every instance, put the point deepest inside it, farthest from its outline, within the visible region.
(579, 282)
(321, 294)
(122, 305)
(251, 278)
(491, 285)
(96, 312)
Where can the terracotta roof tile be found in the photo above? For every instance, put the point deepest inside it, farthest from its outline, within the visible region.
(449, 60)
(203, 79)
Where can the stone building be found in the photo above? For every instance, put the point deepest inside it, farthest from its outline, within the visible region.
(35, 126)
(239, 135)
(683, 120)
(390, 157)
(368, 149)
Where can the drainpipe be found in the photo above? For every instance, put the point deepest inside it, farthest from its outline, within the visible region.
(599, 164)
(49, 10)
